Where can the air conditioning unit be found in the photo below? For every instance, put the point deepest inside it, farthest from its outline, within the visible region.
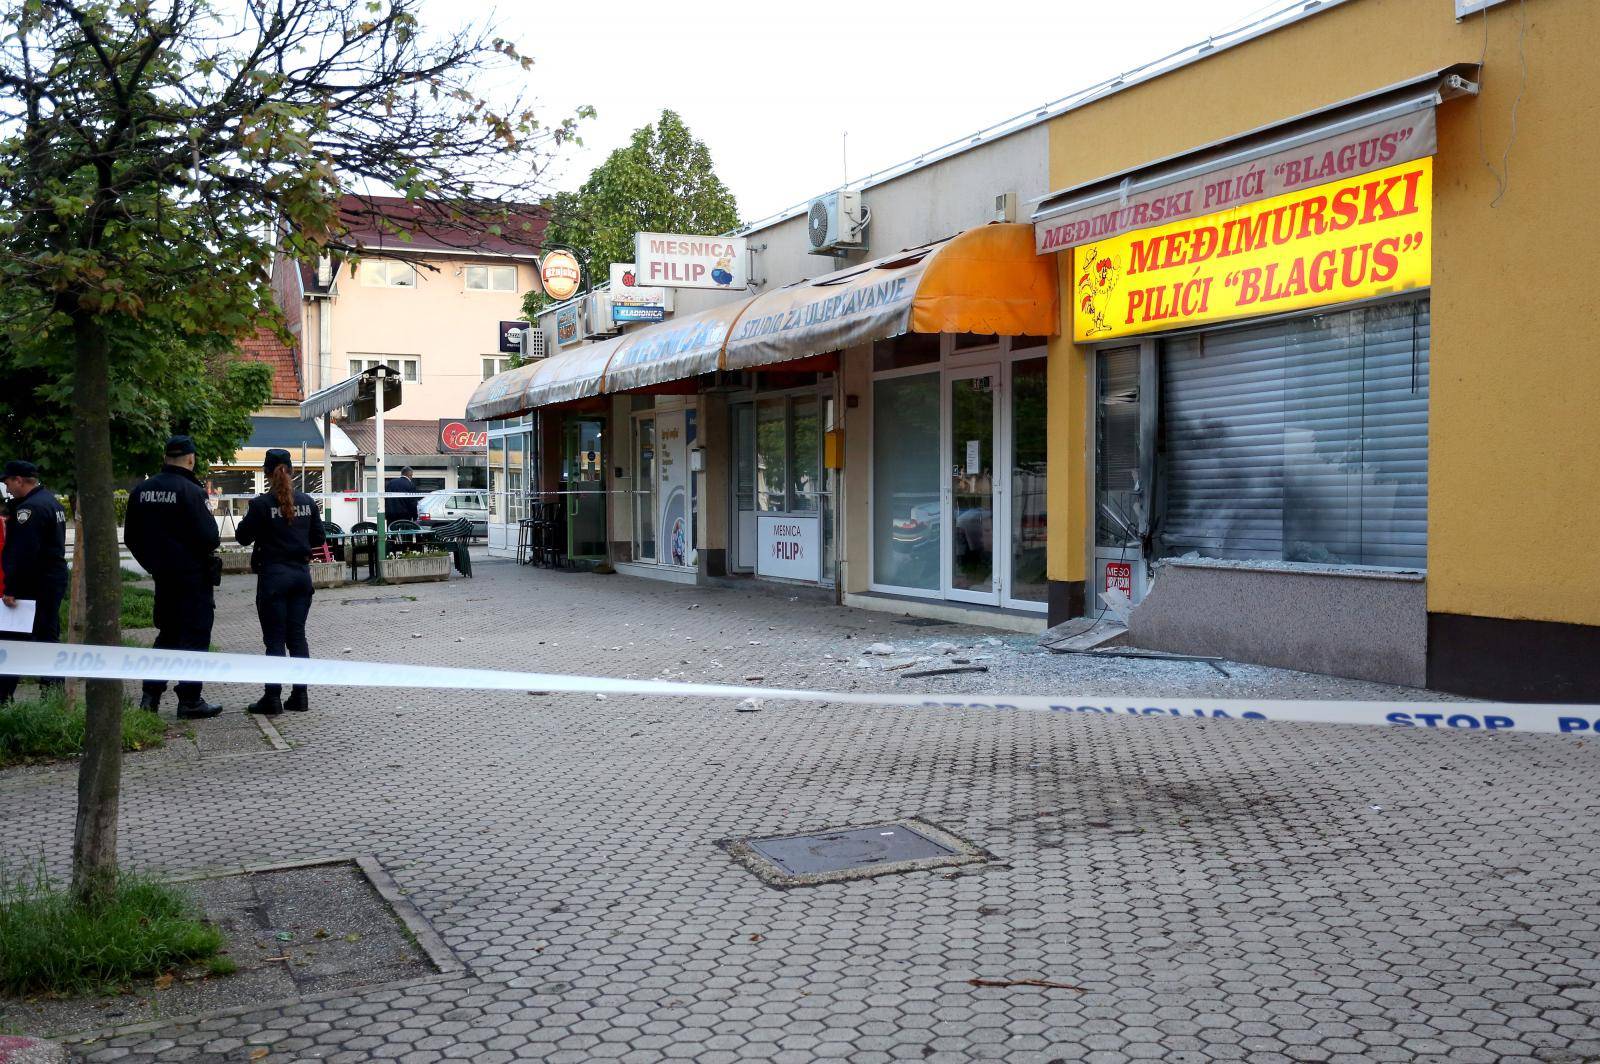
(837, 223)
(533, 344)
(596, 318)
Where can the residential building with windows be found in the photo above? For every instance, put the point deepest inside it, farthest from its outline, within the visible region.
(426, 298)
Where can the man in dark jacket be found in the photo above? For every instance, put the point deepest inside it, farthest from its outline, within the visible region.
(170, 531)
(34, 559)
(405, 508)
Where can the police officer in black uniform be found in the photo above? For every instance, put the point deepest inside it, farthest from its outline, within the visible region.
(34, 560)
(170, 531)
(284, 526)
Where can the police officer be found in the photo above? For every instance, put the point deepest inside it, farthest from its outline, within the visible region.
(284, 526)
(170, 531)
(34, 559)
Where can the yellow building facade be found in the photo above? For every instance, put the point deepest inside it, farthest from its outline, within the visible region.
(1490, 309)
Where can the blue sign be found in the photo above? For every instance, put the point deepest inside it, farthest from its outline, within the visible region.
(567, 324)
(627, 313)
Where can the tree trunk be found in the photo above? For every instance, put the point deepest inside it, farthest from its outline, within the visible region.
(94, 841)
(78, 605)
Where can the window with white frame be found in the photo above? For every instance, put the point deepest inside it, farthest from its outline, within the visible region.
(386, 273)
(404, 365)
(491, 278)
(493, 364)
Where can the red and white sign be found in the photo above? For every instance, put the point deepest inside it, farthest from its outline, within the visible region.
(788, 547)
(1119, 577)
(671, 260)
(456, 436)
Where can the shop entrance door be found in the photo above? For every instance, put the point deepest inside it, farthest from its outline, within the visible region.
(971, 493)
(672, 488)
(584, 485)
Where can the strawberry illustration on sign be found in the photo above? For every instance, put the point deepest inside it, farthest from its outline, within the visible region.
(627, 279)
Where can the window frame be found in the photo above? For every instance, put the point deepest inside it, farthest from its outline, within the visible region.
(380, 273)
(399, 364)
(489, 272)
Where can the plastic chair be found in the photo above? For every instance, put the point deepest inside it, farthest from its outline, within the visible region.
(404, 531)
(330, 528)
(455, 536)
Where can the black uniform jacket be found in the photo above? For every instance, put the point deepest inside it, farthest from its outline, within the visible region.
(169, 528)
(35, 557)
(280, 542)
(400, 509)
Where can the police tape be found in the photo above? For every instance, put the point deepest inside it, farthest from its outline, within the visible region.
(123, 663)
(352, 496)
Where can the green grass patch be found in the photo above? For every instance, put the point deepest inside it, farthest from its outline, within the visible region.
(46, 729)
(132, 576)
(50, 945)
(138, 605)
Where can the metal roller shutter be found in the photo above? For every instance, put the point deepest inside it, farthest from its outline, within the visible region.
(1300, 440)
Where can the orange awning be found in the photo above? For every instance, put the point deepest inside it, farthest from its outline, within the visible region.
(985, 280)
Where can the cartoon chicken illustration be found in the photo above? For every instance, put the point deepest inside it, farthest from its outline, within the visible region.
(1096, 279)
(720, 272)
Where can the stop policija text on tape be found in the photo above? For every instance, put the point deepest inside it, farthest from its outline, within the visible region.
(95, 662)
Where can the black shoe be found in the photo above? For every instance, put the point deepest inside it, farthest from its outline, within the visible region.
(197, 710)
(266, 706)
(297, 701)
(150, 702)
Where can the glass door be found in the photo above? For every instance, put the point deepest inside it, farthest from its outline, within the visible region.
(970, 492)
(584, 483)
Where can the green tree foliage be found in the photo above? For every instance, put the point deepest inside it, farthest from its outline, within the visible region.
(155, 155)
(169, 382)
(663, 181)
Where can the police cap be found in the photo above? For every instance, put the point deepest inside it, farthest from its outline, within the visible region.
(19, 468)
(276, 457)
(178, 446)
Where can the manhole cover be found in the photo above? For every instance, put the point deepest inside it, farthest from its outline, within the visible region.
(834, 854)
(921, 622)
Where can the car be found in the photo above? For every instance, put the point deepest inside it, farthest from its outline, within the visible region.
(441, 506)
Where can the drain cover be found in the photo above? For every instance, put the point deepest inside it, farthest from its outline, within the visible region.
(835, 854)
(921, 622)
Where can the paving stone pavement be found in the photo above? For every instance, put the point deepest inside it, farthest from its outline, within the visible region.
(1221, 890)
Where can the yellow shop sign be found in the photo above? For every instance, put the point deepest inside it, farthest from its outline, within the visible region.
(1351, 239)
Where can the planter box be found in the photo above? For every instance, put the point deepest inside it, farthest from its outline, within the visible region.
(329, 574)
(235, 561)
(416, 570)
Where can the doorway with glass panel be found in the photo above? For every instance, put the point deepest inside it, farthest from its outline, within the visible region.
(959, 469)
(583, 486)
(971, 494)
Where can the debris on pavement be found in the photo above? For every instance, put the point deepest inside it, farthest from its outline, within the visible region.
(1045, 984)
(946, 670)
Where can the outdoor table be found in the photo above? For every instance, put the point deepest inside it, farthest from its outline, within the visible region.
(368, 544)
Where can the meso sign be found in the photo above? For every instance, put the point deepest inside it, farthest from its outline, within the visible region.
(668, 260)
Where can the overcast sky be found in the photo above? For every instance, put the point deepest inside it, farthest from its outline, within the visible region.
(771, 87)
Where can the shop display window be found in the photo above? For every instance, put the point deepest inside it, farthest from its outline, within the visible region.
(1303, 440)
(907, 533)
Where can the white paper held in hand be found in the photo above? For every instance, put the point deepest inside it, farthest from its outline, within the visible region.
(18, 618)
